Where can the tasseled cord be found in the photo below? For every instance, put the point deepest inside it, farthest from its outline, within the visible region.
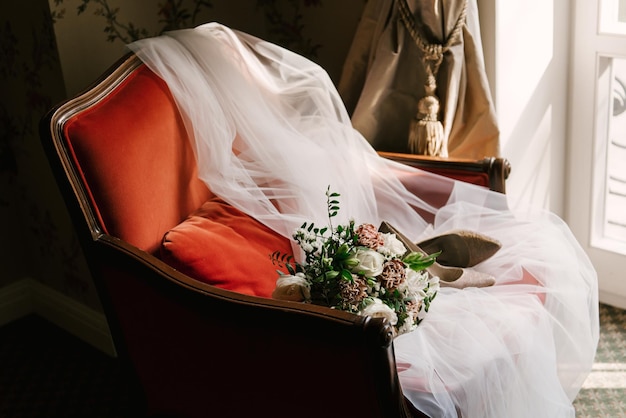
(426, 136)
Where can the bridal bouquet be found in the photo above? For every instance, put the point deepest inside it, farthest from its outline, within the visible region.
(358, 269)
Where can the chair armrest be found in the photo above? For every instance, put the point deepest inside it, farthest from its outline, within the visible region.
(172, 327)
(490, 172)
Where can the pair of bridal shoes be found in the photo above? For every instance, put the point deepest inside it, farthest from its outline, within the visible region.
(460, 248)
(449, 276)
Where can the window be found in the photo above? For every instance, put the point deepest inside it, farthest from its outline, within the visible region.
(609, 159)
(613, 17)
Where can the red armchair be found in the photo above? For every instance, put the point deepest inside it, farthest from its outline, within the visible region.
(127, 172)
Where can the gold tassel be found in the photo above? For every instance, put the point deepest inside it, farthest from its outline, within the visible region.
(426, 136)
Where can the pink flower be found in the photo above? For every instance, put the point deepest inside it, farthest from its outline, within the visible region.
(353, 292)
(368, 236)
(393, 275)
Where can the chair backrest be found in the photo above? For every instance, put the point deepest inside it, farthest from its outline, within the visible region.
(127, 146)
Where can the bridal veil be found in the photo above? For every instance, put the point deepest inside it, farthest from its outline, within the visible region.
(271, 134)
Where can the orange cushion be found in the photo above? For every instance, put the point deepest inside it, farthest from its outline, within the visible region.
(224, 247)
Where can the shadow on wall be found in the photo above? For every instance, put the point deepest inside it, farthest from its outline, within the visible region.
(39, 242)
(531, 100)
(52, 49)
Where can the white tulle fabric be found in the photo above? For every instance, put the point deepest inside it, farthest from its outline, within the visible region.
(271, 134)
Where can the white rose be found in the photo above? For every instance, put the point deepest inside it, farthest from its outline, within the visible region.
(294, 288)
(415, 281)
(378, 309)
(408, 326)
(392, 246)
(370, 262)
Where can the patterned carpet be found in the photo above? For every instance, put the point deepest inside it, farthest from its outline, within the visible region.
(45, 372)
(604, 392)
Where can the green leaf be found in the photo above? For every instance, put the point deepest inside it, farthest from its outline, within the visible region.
(351, 262)
(417, 261)
(331, 274)
(343, 249)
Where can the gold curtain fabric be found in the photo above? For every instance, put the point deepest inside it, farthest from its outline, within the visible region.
(384, 76)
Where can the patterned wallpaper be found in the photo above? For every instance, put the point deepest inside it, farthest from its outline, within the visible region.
(39, 243)
(37, 237)
(283, 18)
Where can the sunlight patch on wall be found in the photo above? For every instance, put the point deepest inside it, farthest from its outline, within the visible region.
(526, 47)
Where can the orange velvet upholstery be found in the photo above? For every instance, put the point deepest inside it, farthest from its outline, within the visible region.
(222, 246)
(113, 146)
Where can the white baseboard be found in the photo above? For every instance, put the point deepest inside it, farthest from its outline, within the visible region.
(15, 301)
(618, 301)
(28, 296)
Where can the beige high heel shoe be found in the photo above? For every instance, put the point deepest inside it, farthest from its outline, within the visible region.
(461, 248)
(456, 277)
